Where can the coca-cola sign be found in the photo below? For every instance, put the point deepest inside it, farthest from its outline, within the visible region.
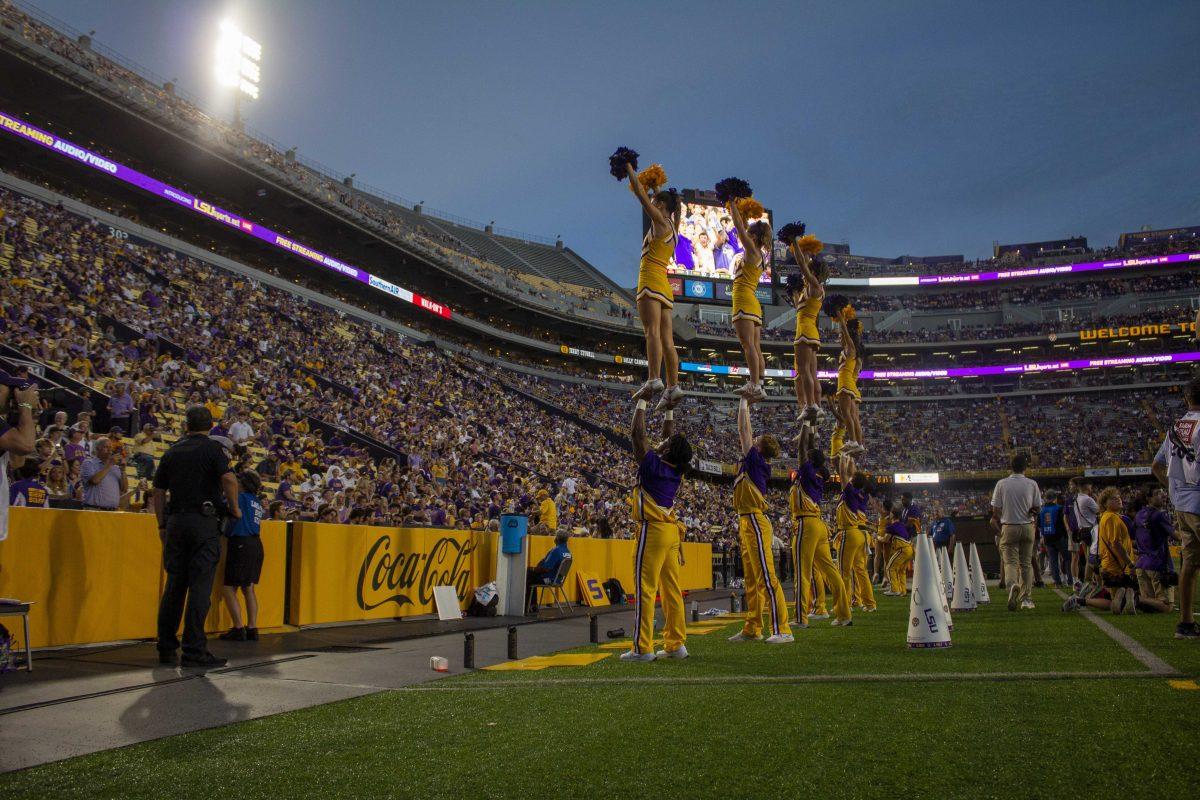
(394, 577)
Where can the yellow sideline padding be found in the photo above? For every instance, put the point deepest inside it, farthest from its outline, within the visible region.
(342, 573)
(93, 576)
(96, 576)
(613, 558)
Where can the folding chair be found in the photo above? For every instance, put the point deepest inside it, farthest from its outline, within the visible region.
(20, 610)
(556, 586)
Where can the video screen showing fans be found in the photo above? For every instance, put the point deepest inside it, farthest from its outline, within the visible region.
(707, 244)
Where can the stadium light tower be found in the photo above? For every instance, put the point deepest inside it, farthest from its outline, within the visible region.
(237, 64)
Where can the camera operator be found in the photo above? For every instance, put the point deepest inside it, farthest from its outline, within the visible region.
(18, 402)
(195, 473)
(103, 476)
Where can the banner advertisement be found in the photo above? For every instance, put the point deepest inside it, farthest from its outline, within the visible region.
(1135, 331)
(343, 573)
(1100, 472)
(710, 467)
(360, 572)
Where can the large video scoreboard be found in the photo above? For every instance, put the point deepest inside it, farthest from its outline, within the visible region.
(707, 251)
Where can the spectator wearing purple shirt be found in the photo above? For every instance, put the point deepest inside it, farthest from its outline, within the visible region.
(1152, 532)
(122, 410)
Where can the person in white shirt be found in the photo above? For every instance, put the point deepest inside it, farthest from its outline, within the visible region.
(1177, 466)
(241, 431)
(1087, 515)
(1016, 501)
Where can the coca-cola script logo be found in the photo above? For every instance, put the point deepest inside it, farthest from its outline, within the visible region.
(387, 577)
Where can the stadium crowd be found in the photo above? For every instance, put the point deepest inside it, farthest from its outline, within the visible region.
(359, 425)
(461, 452)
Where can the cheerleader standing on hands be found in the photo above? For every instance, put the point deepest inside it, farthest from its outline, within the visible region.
(747, 314)
(849, 365)
(654, 297)
(806, 293)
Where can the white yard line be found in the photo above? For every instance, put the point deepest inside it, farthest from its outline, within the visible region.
(1135, 648)
(708, 680)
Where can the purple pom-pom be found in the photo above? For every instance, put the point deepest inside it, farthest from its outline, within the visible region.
(618, 160)
(791, 232)
(834, 304)
(732, 188)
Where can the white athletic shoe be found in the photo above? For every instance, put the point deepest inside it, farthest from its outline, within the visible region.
(1119, 601)
(680, 653)
(741, 637)
(649, 389)
(780, 638)
(745, 390)
(869, 610)
(632, 656)
(757, 394)
(818, 616)
(1014, 591)
(798, 625)
(890, 593)
(670, 399)
(842, 623)
(1027, 605)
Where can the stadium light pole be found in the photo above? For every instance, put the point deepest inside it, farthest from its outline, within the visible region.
(238, 65)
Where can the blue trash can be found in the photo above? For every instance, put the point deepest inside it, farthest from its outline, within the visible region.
(513, 528)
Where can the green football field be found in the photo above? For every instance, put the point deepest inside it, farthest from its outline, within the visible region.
(1035, 704)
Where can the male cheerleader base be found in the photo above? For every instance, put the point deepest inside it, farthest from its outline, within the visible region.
(810, 546)
(656, 562)
(660, 534)
(755, 534)
(901, 557)
(852, 520)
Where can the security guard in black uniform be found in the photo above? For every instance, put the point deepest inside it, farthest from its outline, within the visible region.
(203, 490)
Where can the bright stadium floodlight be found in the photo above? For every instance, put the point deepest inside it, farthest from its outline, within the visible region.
(237, 62)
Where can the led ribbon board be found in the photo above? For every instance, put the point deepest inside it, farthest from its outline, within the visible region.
(29, 133)
(963, 372)
(1015, 274)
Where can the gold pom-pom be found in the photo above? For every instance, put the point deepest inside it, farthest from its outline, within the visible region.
(848, 313)
(810, 244)
(652, 178)
(749, 208)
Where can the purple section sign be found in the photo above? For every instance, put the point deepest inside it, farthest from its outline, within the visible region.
(121, 172)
